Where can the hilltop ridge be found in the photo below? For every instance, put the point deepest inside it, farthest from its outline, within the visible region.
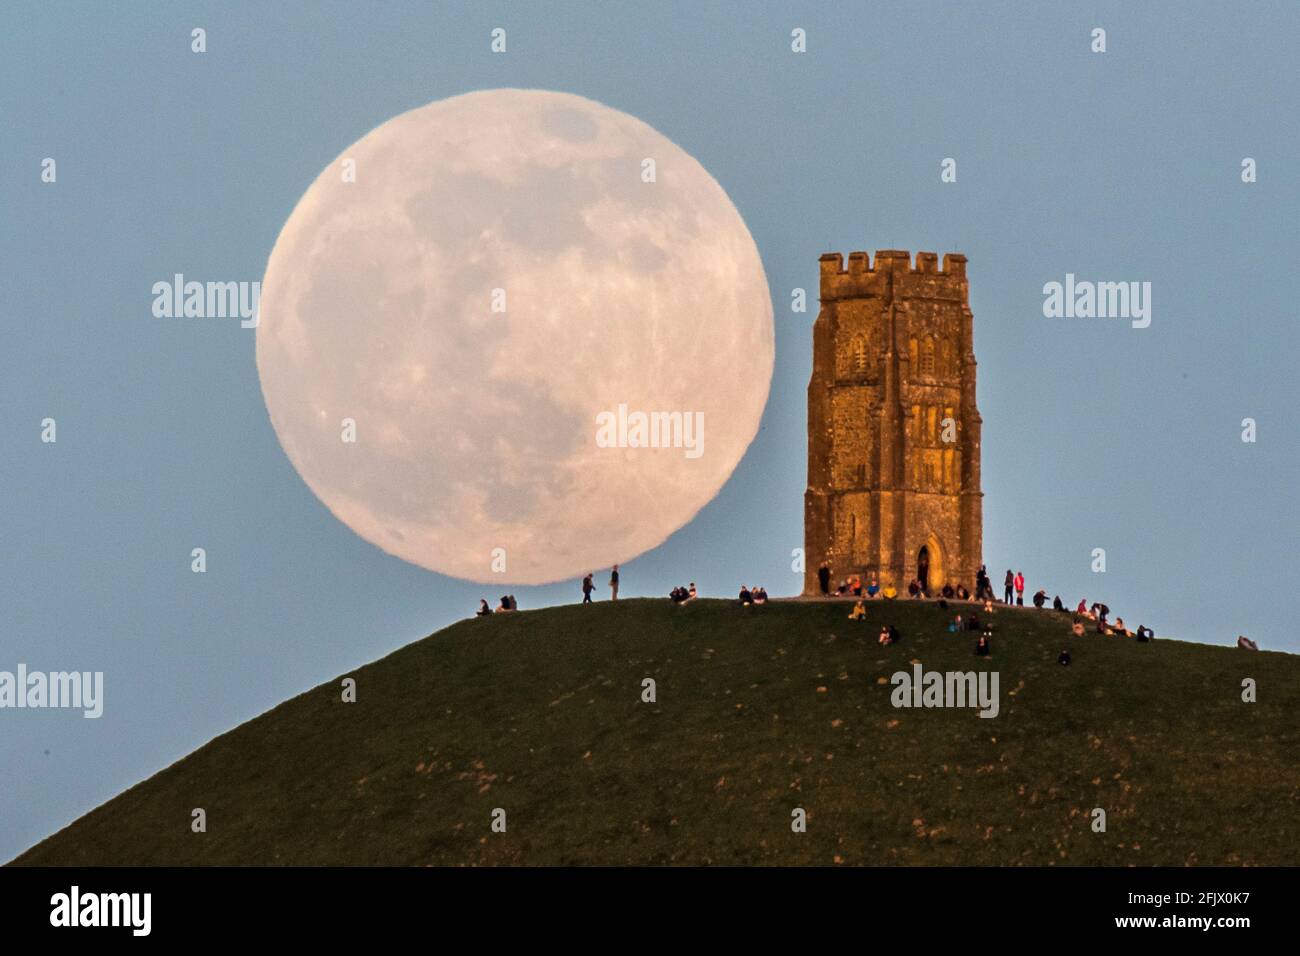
(758, 712)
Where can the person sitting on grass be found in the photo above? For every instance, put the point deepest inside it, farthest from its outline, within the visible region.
(1058, 604)
(1083, 608)
(760, 595)
(1120, 629)
(948, 592)
(843, 588)
(483, 609)
(855, 585)
(691, 595)
(505, 605)
(988, 605)
(1246, 644)
(1145, 633)
(973, 624)
(1040, 598)
(888, 635)
(859, 612)
(914, 589)
(889, 592)
(962, 593)
(874, 587)
(1077, 629)
(957, 625)
(746, 596)
(984, 646)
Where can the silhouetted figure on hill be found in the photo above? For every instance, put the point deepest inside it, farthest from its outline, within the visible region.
(1057, 604)
(1246, 644)
(483, 609)
(1040, 598)
(1008, 586)
(1020, 588)
(1145, 633)
(587, 588)
(613, 583)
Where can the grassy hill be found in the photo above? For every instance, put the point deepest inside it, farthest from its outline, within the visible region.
(759, 710)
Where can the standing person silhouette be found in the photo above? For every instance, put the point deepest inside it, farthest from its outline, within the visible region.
(1007, 586)
(587, 588)
(613, 583)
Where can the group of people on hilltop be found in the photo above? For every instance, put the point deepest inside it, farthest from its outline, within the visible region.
(508, 603)
(1013, 593)
(889, 634)
(1014, 582)
(852, 586)
(681, 595)
(589, 585)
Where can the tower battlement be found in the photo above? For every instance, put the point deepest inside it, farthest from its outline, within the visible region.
(862, 276)
(893, 429)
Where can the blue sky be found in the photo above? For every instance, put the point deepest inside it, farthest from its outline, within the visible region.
(1116, 166)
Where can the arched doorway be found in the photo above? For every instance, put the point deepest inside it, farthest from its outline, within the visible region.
(929, 565)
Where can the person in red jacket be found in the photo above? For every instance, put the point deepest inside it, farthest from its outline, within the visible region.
(1020, 588)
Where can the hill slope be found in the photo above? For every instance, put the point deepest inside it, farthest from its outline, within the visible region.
(540, 713)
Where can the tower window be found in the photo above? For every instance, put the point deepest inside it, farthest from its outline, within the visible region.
(859, 355)
(927, 357)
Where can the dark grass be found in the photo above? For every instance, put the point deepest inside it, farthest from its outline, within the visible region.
(540, 713)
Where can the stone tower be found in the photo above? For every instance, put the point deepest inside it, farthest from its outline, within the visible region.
(893, 431)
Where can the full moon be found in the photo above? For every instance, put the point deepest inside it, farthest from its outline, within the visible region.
(515, 335)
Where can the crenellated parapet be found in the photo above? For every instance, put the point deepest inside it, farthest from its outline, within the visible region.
(893, 269)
